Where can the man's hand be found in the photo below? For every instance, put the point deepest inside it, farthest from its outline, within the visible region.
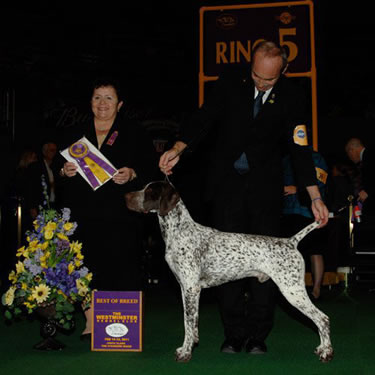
(362, 195)
(318, 207)
(320, 211)
(171, 157)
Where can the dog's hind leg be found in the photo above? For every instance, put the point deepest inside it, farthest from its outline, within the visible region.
(297, 296)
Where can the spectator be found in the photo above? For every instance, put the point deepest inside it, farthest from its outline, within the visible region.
(363, 158)
(34, 196)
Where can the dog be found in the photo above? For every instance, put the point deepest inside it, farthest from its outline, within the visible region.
(203, 257)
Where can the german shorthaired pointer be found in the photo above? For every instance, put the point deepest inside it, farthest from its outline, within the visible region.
(203, 257)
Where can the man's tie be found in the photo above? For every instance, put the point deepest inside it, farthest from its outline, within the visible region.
(241, 164)
(258, 102)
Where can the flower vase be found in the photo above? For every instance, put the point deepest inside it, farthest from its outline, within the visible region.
(48, 329)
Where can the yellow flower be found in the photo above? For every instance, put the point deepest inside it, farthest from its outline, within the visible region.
(44, 245)
(41, 293)
(30, 298)
(89, 276)
(51, 226)
(36, 225)
(20, 251)
(68, 226)
(29, 305)
(48, 234)
(62, 236)
(37, 279)
(75, 246)
(77, 263)
(44, 258)
(82, 287)
(79, 255)
(9, 296)
(70, 268)
(20, 267)
(24, 286)
(13, 277)
(33, 245)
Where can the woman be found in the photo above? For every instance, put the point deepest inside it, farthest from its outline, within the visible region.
(108, 231)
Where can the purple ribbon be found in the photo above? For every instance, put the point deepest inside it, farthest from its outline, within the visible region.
(78, 151)
(112, 138)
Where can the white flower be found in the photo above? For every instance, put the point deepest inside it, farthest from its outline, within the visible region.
(41, 293)
(9, 296)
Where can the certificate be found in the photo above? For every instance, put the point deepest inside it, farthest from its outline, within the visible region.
(117, 321)
(93, 166)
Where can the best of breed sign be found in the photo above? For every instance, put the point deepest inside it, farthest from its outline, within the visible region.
(117, 321)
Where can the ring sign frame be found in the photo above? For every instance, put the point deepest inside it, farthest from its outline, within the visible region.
(228, 33)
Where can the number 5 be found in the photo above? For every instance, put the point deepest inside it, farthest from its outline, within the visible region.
(293, 49)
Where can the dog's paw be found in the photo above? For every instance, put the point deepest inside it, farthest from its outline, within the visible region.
(182, 355)
(325, 354)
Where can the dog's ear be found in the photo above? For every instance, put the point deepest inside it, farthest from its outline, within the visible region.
(169, 199)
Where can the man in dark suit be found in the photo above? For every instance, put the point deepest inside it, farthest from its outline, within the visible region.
(364, 159)
(253, 114)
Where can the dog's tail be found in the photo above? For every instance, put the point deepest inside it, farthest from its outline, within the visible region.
(304, 232)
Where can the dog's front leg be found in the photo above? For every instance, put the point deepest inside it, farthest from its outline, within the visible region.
(190, 297)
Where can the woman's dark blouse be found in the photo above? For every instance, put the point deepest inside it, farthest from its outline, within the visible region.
(132, 148)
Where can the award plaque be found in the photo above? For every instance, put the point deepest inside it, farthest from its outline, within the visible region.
(93, 166)
(117, 321)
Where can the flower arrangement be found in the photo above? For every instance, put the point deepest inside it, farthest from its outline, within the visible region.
(50, 270)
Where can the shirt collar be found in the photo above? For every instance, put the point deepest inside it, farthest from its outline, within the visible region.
(265, 96)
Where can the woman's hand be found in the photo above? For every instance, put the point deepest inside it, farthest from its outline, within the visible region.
(124, 175)
(69, 169)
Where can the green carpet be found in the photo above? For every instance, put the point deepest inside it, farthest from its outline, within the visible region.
(291, 343)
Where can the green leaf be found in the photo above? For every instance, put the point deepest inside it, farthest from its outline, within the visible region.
(17, 311)
(67, 326)
(68, 307)
(60, 298)
(8, 314)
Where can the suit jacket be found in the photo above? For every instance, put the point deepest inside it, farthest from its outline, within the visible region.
(132, 148)
(227, 117)
(368, 181)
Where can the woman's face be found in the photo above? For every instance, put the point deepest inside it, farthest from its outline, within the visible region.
(105, 103)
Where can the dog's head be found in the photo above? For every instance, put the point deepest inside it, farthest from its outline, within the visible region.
(159, 196)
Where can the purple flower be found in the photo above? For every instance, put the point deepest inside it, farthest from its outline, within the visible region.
(59, 277)
(62, 245)
(83, 272)
(66, 214)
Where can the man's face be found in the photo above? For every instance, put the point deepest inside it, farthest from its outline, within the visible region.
(353, 154)
(265, 71)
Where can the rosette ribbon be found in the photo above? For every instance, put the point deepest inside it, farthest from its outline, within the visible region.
(92, 165)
